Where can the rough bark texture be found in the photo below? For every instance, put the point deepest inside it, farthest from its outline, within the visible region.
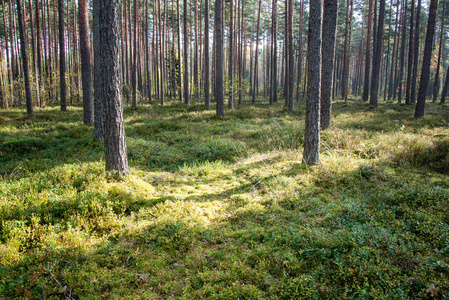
(23, 52)
(327, 68)
(219, 58)
(402, 55)
(274, 62)
(206, 55)
(366, 84)
(312, 132)
(98, 104)
(445, 88)
(231, 56)
(377, 56)
(436, 86)
(134, 68)
(425, 70)
(62, 65)
(291, 60)
(186, 59)
(410, 55)
(415, 54)
(86, 67)
(114, 130)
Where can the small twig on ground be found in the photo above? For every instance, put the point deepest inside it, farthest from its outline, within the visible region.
(15, 170)
(67, 295)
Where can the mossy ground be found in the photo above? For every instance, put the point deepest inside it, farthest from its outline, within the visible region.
(222, 208)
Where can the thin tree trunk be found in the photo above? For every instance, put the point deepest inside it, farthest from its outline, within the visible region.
(98, 92)
(134, 68)
(86, 67)
(410, 54)
(231, 55)
(291, 60)
(253, 102)
(186, 62)
(402, 55)
(206, 55)
(436, 86)
(366, 84)
(415, 54)
(219, 57)
(62, 64)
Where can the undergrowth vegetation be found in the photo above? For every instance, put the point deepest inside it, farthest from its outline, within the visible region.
(222, 208)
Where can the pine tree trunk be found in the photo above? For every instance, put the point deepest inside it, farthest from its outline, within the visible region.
(425, 70)
(219, 57)
(377, 56)
(62, 63)
(366, 84)
(86, 67)
(114, 129)
(98, 92)
(134, 68)
(256, 55)
(327, 68)
(206, 55)
(436, 85)
(311, 153)
(415, 54)
(231, 55)
(24, 55)
(402, 55)
(410, 54)
(186, 62)
(291, 60)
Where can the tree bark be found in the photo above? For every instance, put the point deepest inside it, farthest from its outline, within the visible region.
(186, 62)
(327, 68)
(311, 153)
(425, 70)
(62, 63)
(206, 55)
(366, 84)
(135, 49)
(436, 85)
(410, 55)
(114, 129)
(24, 55)
(86, 68)
(98, 100)
(256, 55)
(377, 56)
(291, 59)
(219, 57)
(415, 54)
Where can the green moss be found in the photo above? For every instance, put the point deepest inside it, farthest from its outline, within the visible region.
(222, 208)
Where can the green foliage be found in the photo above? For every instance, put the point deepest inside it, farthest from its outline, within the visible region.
(222, 208)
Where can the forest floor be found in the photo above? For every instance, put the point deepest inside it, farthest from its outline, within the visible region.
(223, 208)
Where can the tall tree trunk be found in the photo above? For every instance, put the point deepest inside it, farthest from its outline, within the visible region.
(291, 60)
(186, 62)
(134, 68)
(8, 60)
(327, 68)
(24, 55)
(114, 129)
(299, 76)
(219, 57)
(445, 88)
(366, 83)
(425, 70)
(345, 81)
(410, 54)
(86, 68)
(62, 64)
(402, 55)
(415, 54)
(256, 55)
(274, 49)
(436, 85)
(391, 85)
(231, 55)
(98, 92)
(377, 56)
(311, 153)
(206, 55)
